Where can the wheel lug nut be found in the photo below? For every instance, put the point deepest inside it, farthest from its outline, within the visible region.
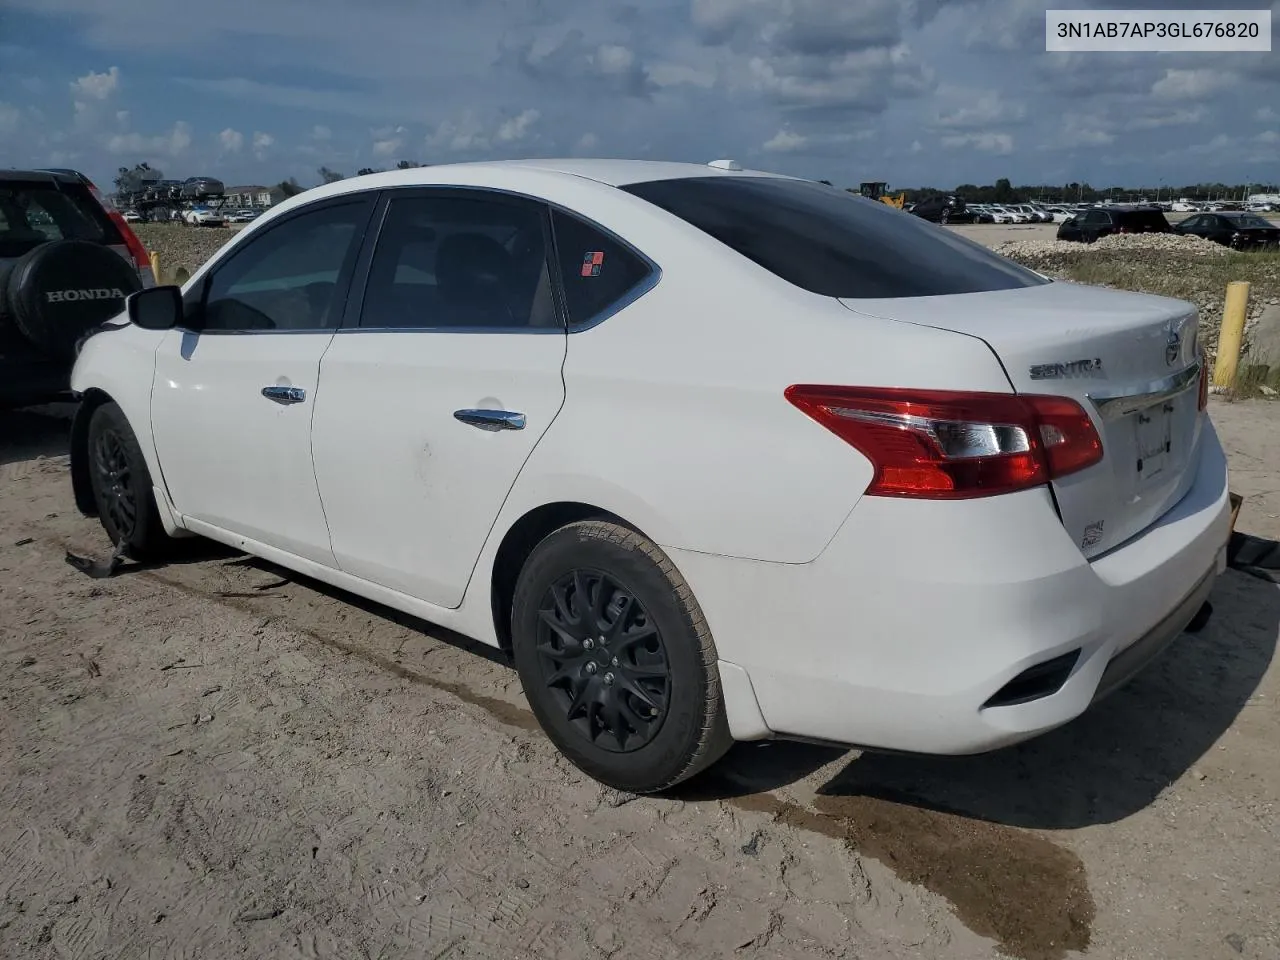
(615, 661)
(608, 678)
(588, 644)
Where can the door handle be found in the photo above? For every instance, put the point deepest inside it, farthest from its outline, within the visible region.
(491, 419)
(285, 395)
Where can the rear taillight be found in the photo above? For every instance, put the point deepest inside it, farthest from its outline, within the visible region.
(951, 445)
(137, 251)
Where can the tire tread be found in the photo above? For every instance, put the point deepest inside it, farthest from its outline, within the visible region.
(713, 738)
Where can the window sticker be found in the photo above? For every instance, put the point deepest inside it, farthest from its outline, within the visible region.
(591, 263)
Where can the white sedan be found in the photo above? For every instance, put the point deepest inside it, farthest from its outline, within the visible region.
(715, 454)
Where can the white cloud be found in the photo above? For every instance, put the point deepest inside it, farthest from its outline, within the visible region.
(1177, 118)
(676, 74)
(231, 140)
(96, 86)
(171, 144)
(587, 142)
(387, 148)
(613, 58)
(460, 136)
(996, 143)
(916, 146)
(786, 141)
(967, 109)
(262, 142)
(518, 128)
(1268, 136)
(1266, 114)
(1189, 84)
(321, 132)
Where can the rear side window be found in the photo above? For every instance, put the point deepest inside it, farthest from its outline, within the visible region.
(1138, 219)
(830, 242)
(37, 212)
(598, 272)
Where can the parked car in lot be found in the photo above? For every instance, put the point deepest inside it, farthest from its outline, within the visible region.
(1102, 221)
(204, 217)
(928, 501)
(1241, 231)
(943, 209)
(67, 262)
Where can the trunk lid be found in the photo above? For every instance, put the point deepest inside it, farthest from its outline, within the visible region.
(1131, 360)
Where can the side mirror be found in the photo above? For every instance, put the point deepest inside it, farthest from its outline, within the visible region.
(156, 308)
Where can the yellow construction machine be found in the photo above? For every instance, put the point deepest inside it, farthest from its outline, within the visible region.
(875, 190)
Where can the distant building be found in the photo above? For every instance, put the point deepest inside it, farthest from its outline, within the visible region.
(252, 196)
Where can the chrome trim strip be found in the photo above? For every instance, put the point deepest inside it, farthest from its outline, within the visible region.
(1116, 403)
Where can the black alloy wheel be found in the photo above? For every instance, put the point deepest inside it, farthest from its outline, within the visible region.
(121, 485)
(616, 659)
(604, 659)
(112, 478)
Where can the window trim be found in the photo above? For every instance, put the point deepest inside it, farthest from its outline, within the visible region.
(633, 293)
(342, 287)
(355, 299)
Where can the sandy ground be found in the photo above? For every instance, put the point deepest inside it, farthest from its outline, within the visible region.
(214, 759)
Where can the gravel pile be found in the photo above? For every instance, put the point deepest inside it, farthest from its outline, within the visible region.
(1148, 263)
(1138, 247)
(180, 245)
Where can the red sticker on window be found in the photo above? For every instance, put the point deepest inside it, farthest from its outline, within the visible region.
(591, 262)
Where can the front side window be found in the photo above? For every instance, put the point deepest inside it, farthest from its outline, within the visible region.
(597, 271)
(831, 242)
(460, 262)
(289, 278)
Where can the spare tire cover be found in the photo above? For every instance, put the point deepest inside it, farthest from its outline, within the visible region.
(61, 290)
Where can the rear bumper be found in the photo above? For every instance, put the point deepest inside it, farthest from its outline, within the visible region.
(918, 614)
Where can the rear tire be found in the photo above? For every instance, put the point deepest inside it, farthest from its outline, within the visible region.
(121, 486)
(616, 659)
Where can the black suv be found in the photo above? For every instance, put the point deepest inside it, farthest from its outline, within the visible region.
(943, 210)
(1101, 221)
(67, 262)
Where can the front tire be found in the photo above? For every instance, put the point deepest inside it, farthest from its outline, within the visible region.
(121, 486)
(616, 659)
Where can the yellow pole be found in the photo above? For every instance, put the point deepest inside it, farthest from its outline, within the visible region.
(155, 265)
(1234, 312)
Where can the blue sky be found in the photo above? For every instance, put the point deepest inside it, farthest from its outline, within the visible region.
(909, 91)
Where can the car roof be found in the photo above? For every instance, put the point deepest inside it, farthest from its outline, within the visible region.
(60, 176)
(615, 173)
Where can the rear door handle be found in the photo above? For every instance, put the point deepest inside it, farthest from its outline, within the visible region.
(285, 395)
(491, 419)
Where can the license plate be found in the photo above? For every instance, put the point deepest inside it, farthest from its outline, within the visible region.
(1154, 442)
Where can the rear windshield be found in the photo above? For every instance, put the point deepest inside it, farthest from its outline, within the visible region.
(1142, 218)
(831, 242)
(36, 212)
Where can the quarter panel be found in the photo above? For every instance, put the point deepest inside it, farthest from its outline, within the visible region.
(121, 363)
(675, 417)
